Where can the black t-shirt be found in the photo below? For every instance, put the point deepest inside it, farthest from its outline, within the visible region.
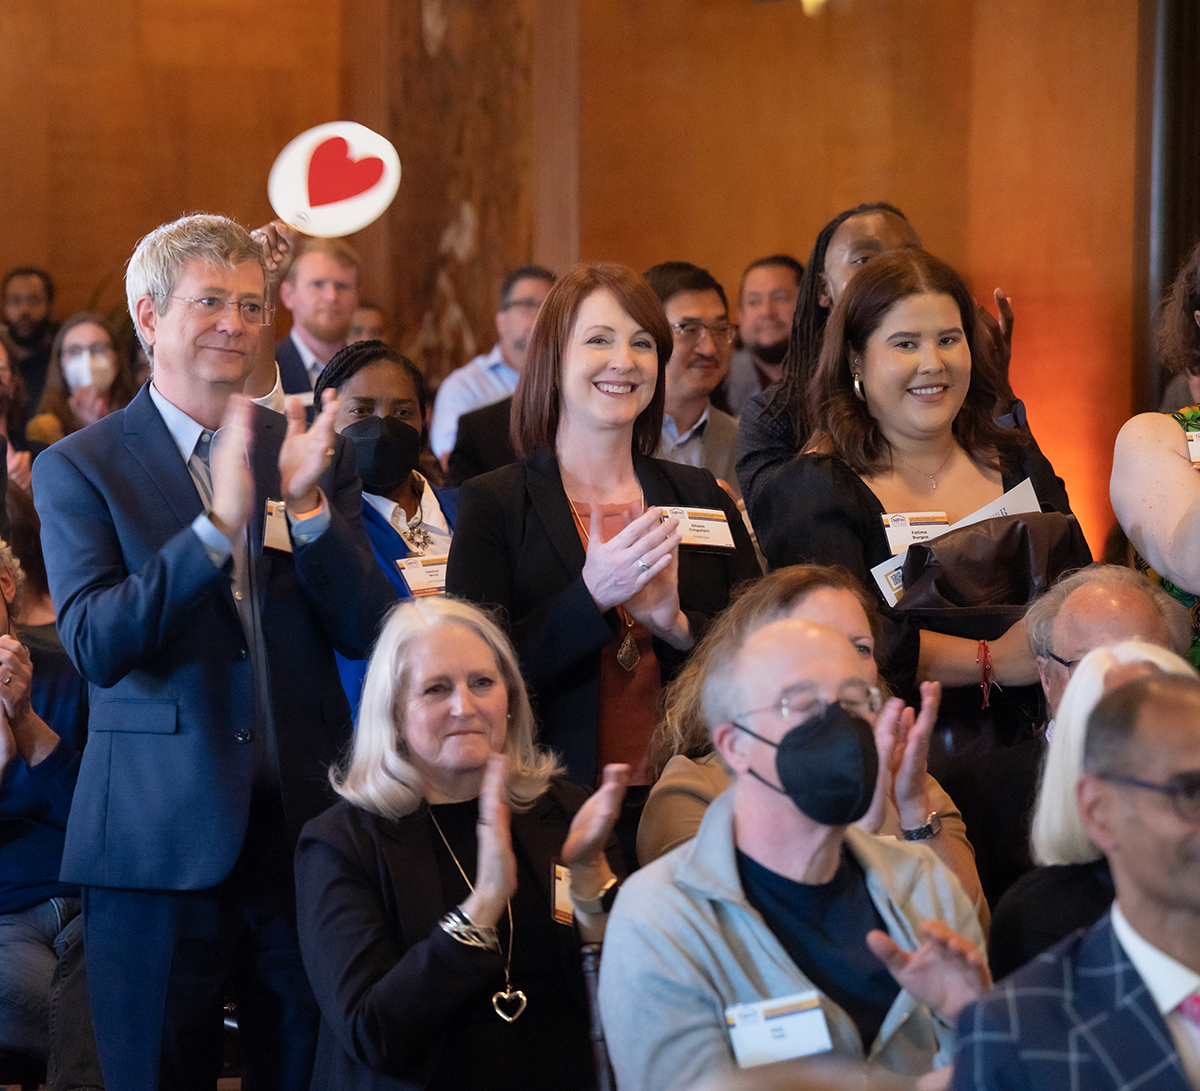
(824, 931)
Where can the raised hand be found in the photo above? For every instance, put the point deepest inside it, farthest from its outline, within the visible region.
(16, 676)
(496, 870)
(305, 453)
(229, 461)
(592, 826)
(277, 241)
(20, 468)
(910, 758)
(618, 569)
(946, 973)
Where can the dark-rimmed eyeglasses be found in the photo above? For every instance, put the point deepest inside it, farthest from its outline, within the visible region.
(689, 331)
(1070, 664)
(253, 312)
(1183, 790)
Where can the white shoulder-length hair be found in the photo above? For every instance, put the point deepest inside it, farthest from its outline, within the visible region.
(377, 776)
(1056, 835)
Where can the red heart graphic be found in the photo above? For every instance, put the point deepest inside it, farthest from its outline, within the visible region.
(333, 176)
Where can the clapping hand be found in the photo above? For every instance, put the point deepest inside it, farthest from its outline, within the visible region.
(946, 973)
(306, 453)
(496, 870)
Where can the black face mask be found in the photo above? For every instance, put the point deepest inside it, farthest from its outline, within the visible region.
(827, 765)
(386, 449)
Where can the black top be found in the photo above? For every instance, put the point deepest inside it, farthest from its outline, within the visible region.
(516, 547)
(824, 930)
(483, 442)
(1043, 907)
(403, 1004)
(766, 441)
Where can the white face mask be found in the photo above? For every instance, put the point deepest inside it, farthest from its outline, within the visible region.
(90, 369)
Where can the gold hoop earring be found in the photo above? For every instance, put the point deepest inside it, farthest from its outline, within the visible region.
(858, 388)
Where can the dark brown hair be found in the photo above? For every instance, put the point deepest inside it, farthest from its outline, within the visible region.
(839, 421)
(56, 394)
(1177, 336)
(537, 403)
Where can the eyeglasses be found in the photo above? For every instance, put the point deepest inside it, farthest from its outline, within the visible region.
(691, 330)
(526, 305)
(803, 702)
(1183, 790)
(1070, 664)
(210, 306)
(96, 348)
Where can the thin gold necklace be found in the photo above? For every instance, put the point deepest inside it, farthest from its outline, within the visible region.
(627, 654)
(932, 480)
(511, 996)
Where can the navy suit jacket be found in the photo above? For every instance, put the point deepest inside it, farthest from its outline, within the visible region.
(1077, 1016)
(293, 375)
(164, 789)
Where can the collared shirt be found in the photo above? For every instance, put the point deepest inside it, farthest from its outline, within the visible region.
(687, 448)
(429, 516)
(308, 358)
(483, 381)
(1169, 982)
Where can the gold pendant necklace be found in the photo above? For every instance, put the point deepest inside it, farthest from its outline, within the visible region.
(628, 654)
(510, 1003)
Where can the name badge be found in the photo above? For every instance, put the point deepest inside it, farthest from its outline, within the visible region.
(1193, 439)
(703, 528)
(564, 910)
(778, 1030)
(905, 527)
(275, 527)
(424, 575)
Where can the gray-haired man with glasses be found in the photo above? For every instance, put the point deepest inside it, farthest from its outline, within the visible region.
(782, 929)
(695, 432)
(1117, 1005)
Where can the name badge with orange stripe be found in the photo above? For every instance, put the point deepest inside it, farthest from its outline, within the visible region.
(778, 1029)
(703, 528)
(424, 575)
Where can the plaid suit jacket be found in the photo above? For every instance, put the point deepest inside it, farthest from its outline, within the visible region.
(1077, 1016)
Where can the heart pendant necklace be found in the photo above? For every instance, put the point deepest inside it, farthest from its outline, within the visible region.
(509, 1003)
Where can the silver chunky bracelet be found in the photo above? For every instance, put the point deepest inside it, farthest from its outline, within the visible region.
(457, 924)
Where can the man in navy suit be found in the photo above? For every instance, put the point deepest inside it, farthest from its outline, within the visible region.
(205, 619)
(1115, 1006)
(321, 291)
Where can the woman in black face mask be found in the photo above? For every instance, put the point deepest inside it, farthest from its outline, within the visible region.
(382, 396)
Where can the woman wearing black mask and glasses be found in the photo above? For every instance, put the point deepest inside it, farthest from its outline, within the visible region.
(382, 399)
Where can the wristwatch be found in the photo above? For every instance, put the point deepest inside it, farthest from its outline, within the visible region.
(601, 903)
(932, 827)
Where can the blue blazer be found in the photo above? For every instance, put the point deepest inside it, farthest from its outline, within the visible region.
(164, 788)
(1077, 1016)
(388, 547)
(293, 375)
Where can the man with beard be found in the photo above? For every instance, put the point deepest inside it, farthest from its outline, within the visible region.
(493, 376)
(694, 431)
(28, 296)
(321, 291)
(766, 304)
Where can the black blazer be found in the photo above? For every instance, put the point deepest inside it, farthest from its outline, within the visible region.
(483, 442)
(516, 547)
(390, 983)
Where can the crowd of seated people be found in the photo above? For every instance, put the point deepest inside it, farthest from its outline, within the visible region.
(539, 780)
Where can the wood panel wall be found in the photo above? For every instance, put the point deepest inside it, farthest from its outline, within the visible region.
(717, 131)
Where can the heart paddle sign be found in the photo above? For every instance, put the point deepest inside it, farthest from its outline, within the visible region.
(334, 179)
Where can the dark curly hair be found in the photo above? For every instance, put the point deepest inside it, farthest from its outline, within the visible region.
(1177, 336)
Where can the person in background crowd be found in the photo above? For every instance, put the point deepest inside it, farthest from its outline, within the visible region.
(86, 380)
(381, 410)
(28, 299)
(766, 306)
(12, 423)
(367, 323)
(493, 376)
(695, 432)
(320, 288)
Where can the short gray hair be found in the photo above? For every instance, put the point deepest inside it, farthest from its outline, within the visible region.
(1039, 618)
(8, 559)
(159, 257)
(378, 776)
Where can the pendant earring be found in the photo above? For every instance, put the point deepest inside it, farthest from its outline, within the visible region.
(858, 388)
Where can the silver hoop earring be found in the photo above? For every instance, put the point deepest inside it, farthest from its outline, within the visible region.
(858, 389)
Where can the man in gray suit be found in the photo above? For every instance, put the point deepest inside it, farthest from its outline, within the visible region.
(695, 432)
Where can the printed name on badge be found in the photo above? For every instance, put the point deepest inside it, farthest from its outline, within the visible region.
(275, 527)
(905, 527)
(702, 528)
(778, 1029)
(424, 575)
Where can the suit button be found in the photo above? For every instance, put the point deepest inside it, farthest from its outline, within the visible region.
(240, 655)
(244, 735)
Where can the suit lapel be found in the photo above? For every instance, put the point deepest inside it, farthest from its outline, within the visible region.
(544, 484)
(150, 443)
(541, 840)
(415, 880)
(656, 486)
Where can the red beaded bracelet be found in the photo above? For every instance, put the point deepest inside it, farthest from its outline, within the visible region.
(984, 658)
